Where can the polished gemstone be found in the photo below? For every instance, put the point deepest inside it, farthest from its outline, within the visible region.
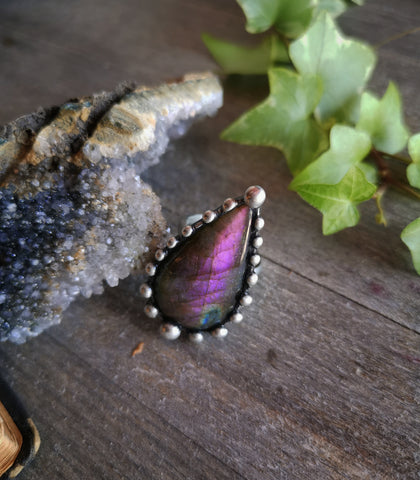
(198, 285)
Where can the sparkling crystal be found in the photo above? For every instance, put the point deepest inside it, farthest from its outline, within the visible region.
(73, 208)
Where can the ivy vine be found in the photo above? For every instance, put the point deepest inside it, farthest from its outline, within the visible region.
(339, 139)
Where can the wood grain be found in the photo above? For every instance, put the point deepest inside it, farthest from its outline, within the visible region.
(321, 379)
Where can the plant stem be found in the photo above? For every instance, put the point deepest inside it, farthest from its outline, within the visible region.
(384, 171)
(394, 156)
(387, 177)
(380, 216)
(406, 188)
(285, 40)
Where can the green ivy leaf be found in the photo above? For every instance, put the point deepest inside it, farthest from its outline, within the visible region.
(413, 170)
(235, 58)
(260, 14)
(279, 52)
(411, 237)
(334, 183)
(383, 120)
(284, 120)
(344, 65)
(338, 203)
(333, 7)
(370, 171)
(291, 18)
(348, 147)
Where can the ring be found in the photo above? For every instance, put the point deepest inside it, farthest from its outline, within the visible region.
(201, 279)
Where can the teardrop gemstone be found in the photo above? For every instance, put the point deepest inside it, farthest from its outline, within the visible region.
(197, 285)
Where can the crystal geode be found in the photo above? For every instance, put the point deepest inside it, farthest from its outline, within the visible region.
(73, 208)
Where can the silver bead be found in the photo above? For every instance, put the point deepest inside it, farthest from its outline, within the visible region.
(258, 241)
(151, 311)
(172, 242)
(187, 231)
(150, 269)
(236, 317)
(255, 260)
(246, 300)
(145, 291)
(196, 337)
(254, 196)
(159, 255)
(252, 279)
(169, 331)
(220, 332)
(209, 216)
(229, 204)
(259, 223)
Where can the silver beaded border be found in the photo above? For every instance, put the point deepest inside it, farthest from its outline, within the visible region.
(254, 197)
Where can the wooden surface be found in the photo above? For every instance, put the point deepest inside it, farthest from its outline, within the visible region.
(321, 379)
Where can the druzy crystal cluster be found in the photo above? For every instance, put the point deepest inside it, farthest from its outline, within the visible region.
(73, 208)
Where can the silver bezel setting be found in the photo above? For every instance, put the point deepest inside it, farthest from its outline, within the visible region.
(236, 317)
(209, 216)
(259, 223)
(187, 231)
(150, 269)
(171, 330)
(258, 241)
(151, 311)
(196, 337)
(160, 254)
(172, 242)
(220, 332)
(255, 260)
(246, 300)
(145, 290)
(229, 204)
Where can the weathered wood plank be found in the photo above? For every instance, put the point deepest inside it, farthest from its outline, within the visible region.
(320, 380)
(91, 428)
(50, 54)
(304, 390)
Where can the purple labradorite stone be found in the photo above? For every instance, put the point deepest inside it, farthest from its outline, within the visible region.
(197, 286)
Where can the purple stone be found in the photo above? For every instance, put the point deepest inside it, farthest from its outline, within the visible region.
(197, 285)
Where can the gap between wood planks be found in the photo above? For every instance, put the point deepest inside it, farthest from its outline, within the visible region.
(329, 289)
